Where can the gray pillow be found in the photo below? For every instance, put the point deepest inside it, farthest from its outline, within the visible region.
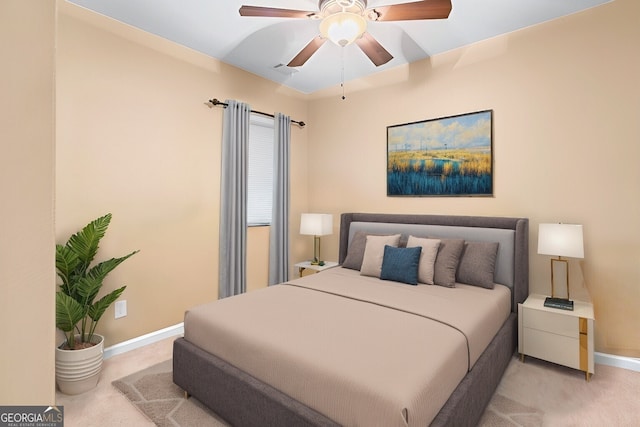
(355, 251)
(477, 264)
(444, 273)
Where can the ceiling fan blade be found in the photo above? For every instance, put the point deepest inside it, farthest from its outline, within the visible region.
(374, 50)
(272, 12)
(426, 9)
(306, 53)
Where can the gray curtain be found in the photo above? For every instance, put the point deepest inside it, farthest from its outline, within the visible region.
(233, 200)
(279, 233)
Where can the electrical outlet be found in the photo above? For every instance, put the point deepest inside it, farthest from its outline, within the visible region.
(121, 308)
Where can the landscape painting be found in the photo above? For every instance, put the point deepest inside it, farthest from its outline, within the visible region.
(448, 156)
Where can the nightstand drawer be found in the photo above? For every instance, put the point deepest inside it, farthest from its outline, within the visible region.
(551, 322)
(552, 347)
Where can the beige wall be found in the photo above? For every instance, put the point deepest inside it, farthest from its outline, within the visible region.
(136, 139)
(566, 102)
(27, 316)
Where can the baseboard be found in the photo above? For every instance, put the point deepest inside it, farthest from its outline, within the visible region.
(630, 363)
(141, 341)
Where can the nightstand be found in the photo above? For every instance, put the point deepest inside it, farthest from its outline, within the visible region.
(306, 265)
(559, 336)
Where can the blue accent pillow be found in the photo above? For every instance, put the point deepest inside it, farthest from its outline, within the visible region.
(401, 264)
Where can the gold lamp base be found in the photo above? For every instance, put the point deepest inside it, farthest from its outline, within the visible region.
(556, 301)
(316, 252)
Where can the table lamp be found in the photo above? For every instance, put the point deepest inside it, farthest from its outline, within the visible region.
(561, 240)
(317, 225)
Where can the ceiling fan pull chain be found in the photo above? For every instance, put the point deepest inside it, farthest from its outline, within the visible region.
(342, 76)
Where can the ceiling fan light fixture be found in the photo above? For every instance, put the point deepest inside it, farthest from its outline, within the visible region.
(343, 28)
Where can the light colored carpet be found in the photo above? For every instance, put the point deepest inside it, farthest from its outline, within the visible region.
(539, 393)
(534, 393)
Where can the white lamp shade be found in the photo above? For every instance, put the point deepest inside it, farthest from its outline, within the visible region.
(316, 224)
(561, 240)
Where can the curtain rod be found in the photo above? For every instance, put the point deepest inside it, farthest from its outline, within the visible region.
(215, 102)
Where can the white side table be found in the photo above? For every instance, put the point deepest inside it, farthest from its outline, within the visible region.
(306, 265)
(560, 336)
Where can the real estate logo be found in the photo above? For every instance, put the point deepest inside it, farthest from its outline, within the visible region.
(31, 416)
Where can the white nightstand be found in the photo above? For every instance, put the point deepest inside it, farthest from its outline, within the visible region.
(306, 265)
(559, 336)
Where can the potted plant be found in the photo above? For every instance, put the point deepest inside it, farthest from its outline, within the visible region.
(79, 357)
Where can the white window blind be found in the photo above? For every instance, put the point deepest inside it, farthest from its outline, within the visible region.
(260, 179)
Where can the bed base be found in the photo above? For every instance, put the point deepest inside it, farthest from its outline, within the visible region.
(242, 400)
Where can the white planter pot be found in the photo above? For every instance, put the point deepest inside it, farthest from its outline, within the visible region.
(78, 371)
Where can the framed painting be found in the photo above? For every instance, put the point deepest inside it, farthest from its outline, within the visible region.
(448, 156)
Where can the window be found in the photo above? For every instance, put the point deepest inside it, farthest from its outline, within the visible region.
(260, 179)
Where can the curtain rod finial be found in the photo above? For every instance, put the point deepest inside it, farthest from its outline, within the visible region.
(213, 102)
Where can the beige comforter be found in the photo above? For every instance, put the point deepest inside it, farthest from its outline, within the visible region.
(362, 351)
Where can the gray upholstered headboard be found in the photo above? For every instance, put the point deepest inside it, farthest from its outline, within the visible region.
(512, 234)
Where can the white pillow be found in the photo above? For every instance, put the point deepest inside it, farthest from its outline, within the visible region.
(427, 257)
(374, 253)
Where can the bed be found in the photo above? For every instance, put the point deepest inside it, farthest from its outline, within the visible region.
(363, 344)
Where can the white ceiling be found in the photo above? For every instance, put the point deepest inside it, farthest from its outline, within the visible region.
(215, 28)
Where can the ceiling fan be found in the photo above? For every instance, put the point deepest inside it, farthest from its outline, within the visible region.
(345, 22)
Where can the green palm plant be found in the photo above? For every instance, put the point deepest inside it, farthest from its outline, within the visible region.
(77, 312)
